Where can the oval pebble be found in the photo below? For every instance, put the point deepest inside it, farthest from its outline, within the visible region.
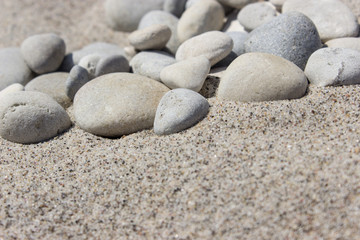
(53, 84)
(178, 110)
(153, 37)
(292, 36)
(256, 14)
(111, 64)
(43, 53)
(203, 16)
(15, 87)
(90, 62)
(150, 63)
(190, 73)
(334, 67)
(262, 77)
(77, 78)
(117, 104)
(350, 42)
(214, 45)
(13, 68)
(31, 117)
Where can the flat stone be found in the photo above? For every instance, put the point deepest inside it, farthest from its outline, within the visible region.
(256, 14)
(15, 87)
(77, 78)
(334, 67)
(214, 45)
(190, 73)
(53, 84)
(125, 15)
(43, 53)
(262, 77)
(292, 36)
(153, 37)
(162, 17)
(112, 64)
(236, 3)
(332, 18)
(31, 117)
(117, 104)
(13, 68)
(175, 7)
(178, 110)
(150, 63)
(349, 42)
(203, 16)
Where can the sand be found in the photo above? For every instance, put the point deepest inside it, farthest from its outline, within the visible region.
(271, 170)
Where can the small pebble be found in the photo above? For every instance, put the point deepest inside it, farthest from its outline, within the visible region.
(256, 14)
(90, 62)
(236, 3)
(175, 7)
(111, 64)
(349, 42)
(77, 78)
(153, 37)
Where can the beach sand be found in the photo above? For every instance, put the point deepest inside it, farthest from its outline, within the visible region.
(270, 170)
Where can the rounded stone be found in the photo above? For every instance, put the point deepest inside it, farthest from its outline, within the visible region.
(153, 37)
(236, 3)
(111, 64)
(77, 78)
(15, 87)
(334, 67)
(117, 104)
(256, 14)
(53, 84)
(332, 18)
(214, 45)
(125, 15)
(175, 7)
(292, 36)
(43, 53)
(190, 73)
(262, 77)
(178, 110)
(31, 117)
(150, 63)
(13, 68)
(203, 16)
(90, 62)
(349, 42)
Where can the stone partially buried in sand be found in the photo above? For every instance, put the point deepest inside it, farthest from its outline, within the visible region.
(31, 117)
(117, 104)
(262, 77)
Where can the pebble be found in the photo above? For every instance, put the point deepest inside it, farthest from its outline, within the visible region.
(150, 63)
(349, 42)
(130, 52)
(262, 77)
(256, 14)
(13, 68)
(53, 84)
(111, 64)
(31, 117)
(292, 36)
(214, 45)
(232, 24)
(77, 78)
(236, 3)
(175, 7)
(15, 87)
(117, 104)
(90, 62)
(277, 3)
(153, 37)
(203, 16)
(332, 18)
(43, 53)
(125, 15)
(334, 67)
(162, 17)
(179, 109)
(190, 73)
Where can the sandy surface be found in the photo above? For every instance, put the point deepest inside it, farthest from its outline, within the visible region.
(272, 170)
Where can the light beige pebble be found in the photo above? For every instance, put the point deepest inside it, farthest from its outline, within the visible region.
(236, 3)
(255, 77)
(256, 14)
(349, 42)
(15, 87)
(153, 37)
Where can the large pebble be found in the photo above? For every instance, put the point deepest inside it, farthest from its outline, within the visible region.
(53, 84)
(214, 45)
(150, 63)
(31, 117)
(116, 104)
(262, 77)
(333, 67)
(179, 109)
(190, 73)
(175, 7)
(203, 16)
(256, 14)
(162, 17)
(153, 37)
(43, 52)
(236, 3)
(125, 15)
(13, 68)
(332, 18)
(77, 78)
(292, 36)
(349, 42)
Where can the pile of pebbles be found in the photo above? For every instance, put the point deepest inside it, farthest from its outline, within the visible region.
(271, 50)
